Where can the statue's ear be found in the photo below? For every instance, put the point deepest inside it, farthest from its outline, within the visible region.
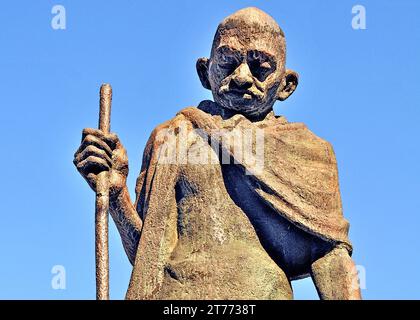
(288, 85)
(203, 72)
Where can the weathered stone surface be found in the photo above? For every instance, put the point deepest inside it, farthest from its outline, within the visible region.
(232, 202)
(202, 215)
(197, 243)
(335, 276)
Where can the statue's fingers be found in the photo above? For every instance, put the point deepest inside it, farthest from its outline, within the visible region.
(91, 131)
(110, 138)
(94, 141)
(92, 150)
(93, 165)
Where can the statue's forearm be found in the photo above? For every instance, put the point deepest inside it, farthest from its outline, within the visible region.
(128, 222)
(335, 276)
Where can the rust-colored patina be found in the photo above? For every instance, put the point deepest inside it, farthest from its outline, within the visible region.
(209, 224)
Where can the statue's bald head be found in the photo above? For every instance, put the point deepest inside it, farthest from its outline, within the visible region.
(246, 71)
(250, 27)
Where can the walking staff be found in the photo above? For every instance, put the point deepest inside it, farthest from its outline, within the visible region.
(102, 204)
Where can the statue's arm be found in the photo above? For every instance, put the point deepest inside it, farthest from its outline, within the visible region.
(99, 152)
(335, 276)
(125, 214)
(128, 222)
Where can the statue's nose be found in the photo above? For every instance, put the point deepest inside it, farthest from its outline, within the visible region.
(242, 77)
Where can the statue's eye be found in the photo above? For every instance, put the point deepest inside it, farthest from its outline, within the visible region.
(228, 63)
(260, 69)
(261, 64)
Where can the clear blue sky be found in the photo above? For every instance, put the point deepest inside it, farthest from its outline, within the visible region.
(358, 89)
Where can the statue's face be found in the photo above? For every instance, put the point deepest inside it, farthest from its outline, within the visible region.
(246, 71)
(245, 75)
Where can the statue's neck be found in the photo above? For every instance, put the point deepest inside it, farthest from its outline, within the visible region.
(214, 108)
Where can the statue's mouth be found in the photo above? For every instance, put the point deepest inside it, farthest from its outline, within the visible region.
(241, 95)
(246, 95)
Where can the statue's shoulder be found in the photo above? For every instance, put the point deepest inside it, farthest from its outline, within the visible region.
(299, 133)
(164, 131)
(312, 136)
(185, 120)
(173, 124)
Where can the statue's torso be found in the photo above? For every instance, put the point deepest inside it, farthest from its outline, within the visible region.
(222, 240)
(230, 245)
(218, 254)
